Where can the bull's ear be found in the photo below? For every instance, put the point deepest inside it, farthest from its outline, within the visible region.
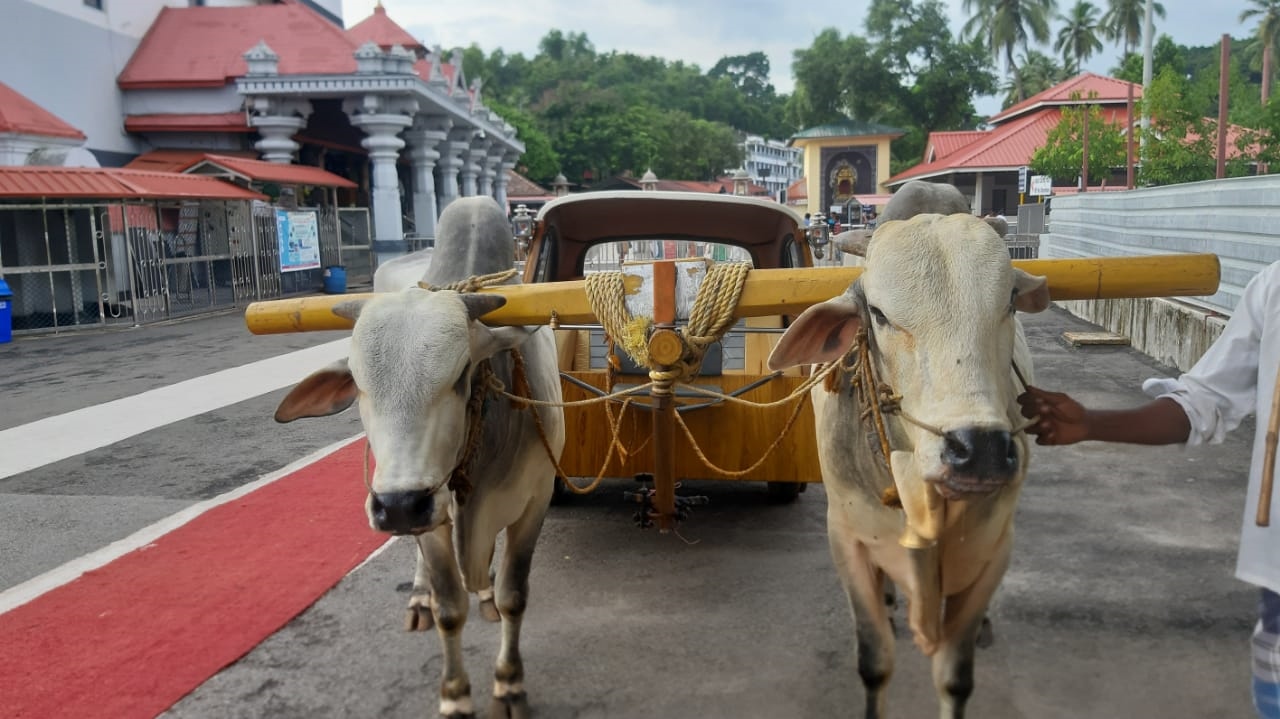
(481, 304)
(822, 333)
(350, 309)
(853, 242)
(489, 341)
(324, 392)
(1031, 291)
(1001, 226)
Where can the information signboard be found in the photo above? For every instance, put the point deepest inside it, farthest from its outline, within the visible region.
(1041, 185)
(299, 236)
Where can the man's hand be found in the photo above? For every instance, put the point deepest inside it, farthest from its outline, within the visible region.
(1059, 419)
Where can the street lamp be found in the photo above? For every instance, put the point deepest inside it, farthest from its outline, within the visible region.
(522, 226)
(819, 234)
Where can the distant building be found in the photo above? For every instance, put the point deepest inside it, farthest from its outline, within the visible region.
(845, 166)
(771, 164)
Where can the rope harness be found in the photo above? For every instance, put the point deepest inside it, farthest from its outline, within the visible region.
(876, 400)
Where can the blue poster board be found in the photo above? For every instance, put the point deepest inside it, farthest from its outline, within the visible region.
(299, 236)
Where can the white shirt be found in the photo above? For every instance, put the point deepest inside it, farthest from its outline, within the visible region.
(1236, 378)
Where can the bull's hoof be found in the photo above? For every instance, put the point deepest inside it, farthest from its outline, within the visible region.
(511, 706)
(419, 617)
(489, 610)
(986, 637)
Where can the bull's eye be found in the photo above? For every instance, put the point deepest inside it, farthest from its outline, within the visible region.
(879, 317)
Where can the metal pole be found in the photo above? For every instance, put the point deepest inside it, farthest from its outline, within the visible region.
(1224, 67)
(1129, 135)
(1084, 156)
(1146, 70)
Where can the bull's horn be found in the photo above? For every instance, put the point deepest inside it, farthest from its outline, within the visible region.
(350, 309)
(853, 242)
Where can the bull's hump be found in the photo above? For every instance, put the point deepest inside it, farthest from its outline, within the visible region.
(472, 238)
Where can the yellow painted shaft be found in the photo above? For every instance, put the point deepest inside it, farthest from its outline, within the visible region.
(787, 291)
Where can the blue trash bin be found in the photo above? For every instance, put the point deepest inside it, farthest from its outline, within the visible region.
(335, 280)
(6, 312)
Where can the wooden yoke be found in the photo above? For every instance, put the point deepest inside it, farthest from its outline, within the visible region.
(788, 291)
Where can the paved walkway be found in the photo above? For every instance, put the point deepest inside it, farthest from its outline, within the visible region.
(1119, 601)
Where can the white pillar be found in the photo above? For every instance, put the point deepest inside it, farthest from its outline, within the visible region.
(277, 120)
(473, 158)
(450, 163)
(382, 120)
(424, 137)
(508, 162)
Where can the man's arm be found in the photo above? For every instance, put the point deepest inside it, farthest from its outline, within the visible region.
(1059, 419)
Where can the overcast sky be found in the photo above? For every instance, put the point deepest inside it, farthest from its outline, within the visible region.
(703, 31)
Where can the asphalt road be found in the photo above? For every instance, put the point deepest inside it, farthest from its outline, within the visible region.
(1120, 600)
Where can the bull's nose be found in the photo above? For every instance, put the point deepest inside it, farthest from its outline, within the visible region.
(977, 452)
(400, 512)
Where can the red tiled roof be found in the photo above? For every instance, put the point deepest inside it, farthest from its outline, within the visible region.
(521, 187)
(204, 46)
(1007, 147)
(423, 68)
(945, 143)
(799, 190)
(114, 183)
(263, 171)
(1108, 90)
(166, 160)
(18, 114)
(382, 31)
(209, 122)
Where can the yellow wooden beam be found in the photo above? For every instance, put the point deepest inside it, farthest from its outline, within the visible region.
(787, 291)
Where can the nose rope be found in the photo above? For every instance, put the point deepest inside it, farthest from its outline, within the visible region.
(878, 400)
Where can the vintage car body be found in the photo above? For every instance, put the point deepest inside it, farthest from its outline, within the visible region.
(581, 234)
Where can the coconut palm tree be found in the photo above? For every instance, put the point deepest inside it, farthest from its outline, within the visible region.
(1006, 25)
(1268, 32)
(1078, 38)
(1035, 72)
(1124, 19)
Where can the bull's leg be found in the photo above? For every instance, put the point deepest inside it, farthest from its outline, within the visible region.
(449, 604)
(953, 664)
(864, 584)
(509, 698)
(419, 617)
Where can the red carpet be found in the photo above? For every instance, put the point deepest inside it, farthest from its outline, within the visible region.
(133, 637)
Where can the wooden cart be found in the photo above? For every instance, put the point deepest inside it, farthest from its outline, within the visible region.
(649, 259)
(655, 388)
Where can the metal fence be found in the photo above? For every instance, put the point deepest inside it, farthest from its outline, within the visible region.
(92, 264)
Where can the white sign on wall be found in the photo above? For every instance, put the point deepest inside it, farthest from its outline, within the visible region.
(1041, 185)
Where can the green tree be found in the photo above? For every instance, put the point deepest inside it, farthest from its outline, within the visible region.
(1078, 38)
(1063, 152)
(1124, 20)
(1005, 26)
(1266, 34)
(1180, 141)
(1034, 73)
(1164, 53)
(540, 162)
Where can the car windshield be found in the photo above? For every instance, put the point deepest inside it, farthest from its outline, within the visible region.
(609, 256)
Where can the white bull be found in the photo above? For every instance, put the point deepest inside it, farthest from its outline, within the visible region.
(936, 302)
(414, 357)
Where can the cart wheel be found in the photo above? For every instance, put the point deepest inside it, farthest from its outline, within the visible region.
(783, 492)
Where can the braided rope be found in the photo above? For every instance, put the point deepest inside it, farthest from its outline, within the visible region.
(474, 282)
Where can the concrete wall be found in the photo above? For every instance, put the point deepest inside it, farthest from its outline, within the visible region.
(1237, 219)
(66, 58)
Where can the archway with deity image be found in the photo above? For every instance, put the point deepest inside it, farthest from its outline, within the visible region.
(847, 172)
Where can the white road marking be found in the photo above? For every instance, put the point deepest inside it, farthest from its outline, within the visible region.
(54, 578)
(53, 439)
